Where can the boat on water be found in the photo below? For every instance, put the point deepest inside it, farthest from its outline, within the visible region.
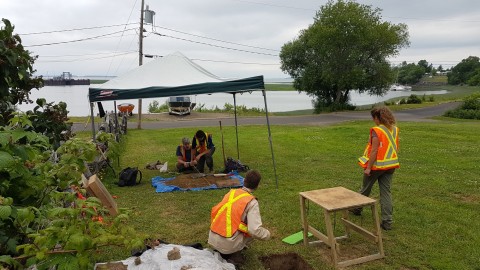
(125, 108)
(180, 105)
(399, 87)
(66, 78)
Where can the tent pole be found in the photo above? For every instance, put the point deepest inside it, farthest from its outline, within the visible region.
(116, 118)
(236, 125)
(93, 121)
(140, 60)
(270, 137)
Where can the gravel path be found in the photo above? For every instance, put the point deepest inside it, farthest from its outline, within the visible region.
(158, 121)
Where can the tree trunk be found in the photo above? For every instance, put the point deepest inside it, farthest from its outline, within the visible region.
(338, 96)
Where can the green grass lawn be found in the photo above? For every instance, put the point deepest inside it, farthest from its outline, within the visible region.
(436, 191)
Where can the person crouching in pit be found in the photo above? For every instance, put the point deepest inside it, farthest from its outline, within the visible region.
(236, 221)
(184, 156)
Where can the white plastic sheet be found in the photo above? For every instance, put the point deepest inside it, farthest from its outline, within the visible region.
(191, 258)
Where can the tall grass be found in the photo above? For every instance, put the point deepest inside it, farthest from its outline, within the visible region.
(436, 191)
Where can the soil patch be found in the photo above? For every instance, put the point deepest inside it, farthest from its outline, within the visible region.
(195, 180)
(288, 261)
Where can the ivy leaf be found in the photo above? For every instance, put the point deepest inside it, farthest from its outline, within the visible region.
(5, 138)
(5, 259)
(6, 160)
(5, 211)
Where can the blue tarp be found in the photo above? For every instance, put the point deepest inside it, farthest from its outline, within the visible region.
(159, 184)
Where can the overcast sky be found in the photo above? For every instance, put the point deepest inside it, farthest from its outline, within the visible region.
(230, 38)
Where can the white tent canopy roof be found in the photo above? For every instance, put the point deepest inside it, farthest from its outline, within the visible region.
(171, 75)
(169, 71)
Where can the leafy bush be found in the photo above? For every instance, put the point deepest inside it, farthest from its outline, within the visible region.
(323, 107)
(414, 99)
(228, 108)
(470, 109)
(16, 72)
(155, 107)
(44, 218)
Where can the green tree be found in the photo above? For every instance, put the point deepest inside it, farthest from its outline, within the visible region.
(16, 72)
(464, 70)
(344, 49)
(474, 78)
(426, 67)
(410, 74)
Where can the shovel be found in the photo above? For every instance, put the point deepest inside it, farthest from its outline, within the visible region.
(202, 175)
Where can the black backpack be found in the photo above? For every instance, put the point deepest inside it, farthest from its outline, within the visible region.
(128, 177)
(234, 165)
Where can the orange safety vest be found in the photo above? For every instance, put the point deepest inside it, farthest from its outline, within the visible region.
(182, 150)
(226, 216)
(387, 157)
(200, 148)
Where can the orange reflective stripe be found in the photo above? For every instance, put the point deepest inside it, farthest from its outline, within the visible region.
(387, 157)
(203, 148)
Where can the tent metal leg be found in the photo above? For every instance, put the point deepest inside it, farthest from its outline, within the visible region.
(116, 118)
(270, 138)
(236, 125)
(93, 121)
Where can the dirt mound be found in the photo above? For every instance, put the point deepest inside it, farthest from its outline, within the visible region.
(288, 261)
(198, 181)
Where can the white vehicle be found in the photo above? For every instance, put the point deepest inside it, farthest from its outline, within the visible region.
(399, 87)
(180, 105)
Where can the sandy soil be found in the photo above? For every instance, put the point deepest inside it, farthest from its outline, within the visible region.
(198, 180)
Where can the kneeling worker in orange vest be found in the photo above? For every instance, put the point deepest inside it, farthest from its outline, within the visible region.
(236, 220)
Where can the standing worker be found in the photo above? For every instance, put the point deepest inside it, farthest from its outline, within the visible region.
(379, 162)
(202, 150)
(236, 221)
(184, 156)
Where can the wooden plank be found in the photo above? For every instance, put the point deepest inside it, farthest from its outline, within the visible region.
(378, 231)
(304, 220)
(366, 234)
(331, 236)
(98, 190)
(337, 198)
(322, 237)
(360, 260)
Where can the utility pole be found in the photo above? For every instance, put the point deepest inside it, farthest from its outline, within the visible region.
(140, 62)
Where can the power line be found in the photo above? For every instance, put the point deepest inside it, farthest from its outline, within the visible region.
(74, 55)
(233, 62)
(87, 59)
(77, 40)
(255, 47)
(121, 37)
(217, 46)
(75, 29)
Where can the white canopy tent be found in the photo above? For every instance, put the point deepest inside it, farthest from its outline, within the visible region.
(175, 75)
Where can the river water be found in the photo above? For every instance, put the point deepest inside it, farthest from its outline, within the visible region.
(76, 98)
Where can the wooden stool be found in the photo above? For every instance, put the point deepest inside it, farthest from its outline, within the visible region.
(341, 199)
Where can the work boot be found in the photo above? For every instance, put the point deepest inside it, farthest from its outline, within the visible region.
(387, 226)
(356, 211)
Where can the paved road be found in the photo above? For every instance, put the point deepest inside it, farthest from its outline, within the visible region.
(414, 115)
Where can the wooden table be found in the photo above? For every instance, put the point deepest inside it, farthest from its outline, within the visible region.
(341, 199)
